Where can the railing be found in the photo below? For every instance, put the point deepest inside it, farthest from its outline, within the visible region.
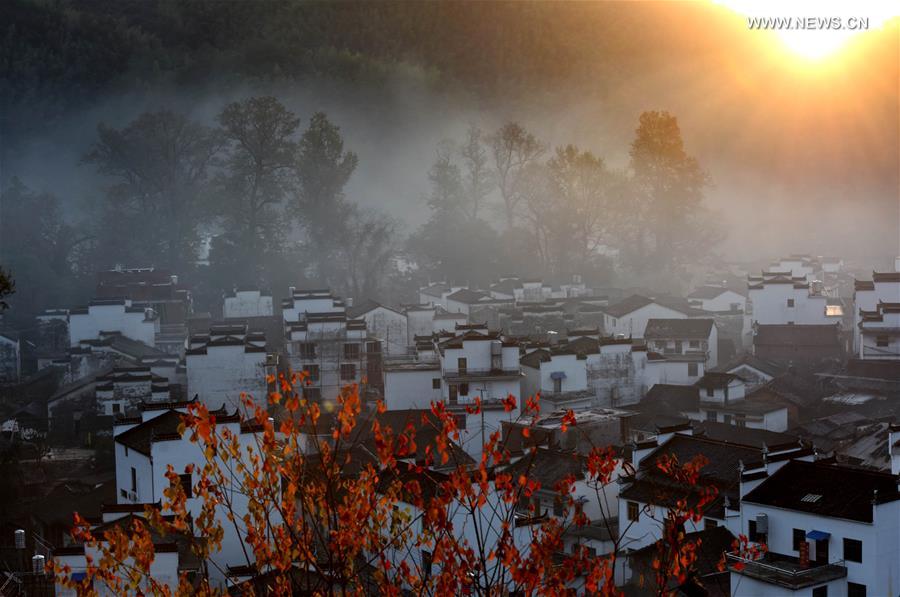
(470, 372)
(792, 571)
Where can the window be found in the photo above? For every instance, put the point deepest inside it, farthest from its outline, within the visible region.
(348, 371)
(854, 589)
(852, 550)
(558, 508)
(820, 591)
(307, 350)
(462, 365)
(740, 420)
(710, 392)
(882, 341)
(312, 371)
(709, 523)
(692, 369)
(373, 347)
(557, 386)
(799, 537)
(351, 351)
(790, 302)
(186, 484)
(711, 416)
(436, 383)
(694, 343)
(116, 407)
(312, 394)
(133, 479)
(727, 420)
(633, 511)
(678, 348)
(463, 389)
(753, 535)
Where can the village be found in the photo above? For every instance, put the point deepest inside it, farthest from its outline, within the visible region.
(786, 379)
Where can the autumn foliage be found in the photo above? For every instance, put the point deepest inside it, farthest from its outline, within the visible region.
(333, 500)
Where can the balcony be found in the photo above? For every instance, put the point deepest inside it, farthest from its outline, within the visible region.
(470, 374)
(785, 571)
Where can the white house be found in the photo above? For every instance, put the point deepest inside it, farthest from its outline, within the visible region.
(225, 362)
(684, 340)
(723, 400)
(247, 302)
(717, 299)
(145, 447)
(628, 318)
(647, 494)
(385, 324)
(103, 316)
(458, 368)
(125, 387)
(829, 530)
(884, 287)
(879, 332)
(334, 349)
(780, 299)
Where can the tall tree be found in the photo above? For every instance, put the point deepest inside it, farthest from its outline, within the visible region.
(446, 181)
(322, 169)
(366, 251)
(38, 245)
(513, 149)
(261, 146)
(160, 166)
(478, 178)
(669, 186)
(569, 208)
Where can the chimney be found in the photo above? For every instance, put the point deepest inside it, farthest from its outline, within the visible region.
(20, 538)
(37, 564)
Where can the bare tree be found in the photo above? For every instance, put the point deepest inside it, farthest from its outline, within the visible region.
(513, 149)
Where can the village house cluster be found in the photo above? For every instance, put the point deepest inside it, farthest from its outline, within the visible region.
(786, 379)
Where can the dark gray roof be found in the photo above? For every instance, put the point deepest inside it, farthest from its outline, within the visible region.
(842, 492)
(670, 399)
(744, 436)
(708, 292)
(628, 305)
(797, 335)
(679, 328)
(140, 437)
(716, 380)
(464, 295)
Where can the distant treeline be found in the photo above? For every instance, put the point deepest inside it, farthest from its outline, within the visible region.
(259, 199)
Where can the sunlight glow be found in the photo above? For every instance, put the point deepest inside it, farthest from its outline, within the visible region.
(812, 29)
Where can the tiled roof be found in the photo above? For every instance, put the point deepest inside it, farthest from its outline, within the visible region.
(716, 380)
(671, 399)
(140, 437)
(797, 335)
(464, 295)
(628, 305)
(826, 490)
(708, 292)
(679, 328)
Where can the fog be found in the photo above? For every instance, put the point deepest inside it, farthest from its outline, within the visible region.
(798, 161)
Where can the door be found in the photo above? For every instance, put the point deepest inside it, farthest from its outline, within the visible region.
(821, 552)
(453, 393)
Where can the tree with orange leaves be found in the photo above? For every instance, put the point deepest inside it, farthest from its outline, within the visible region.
(342, 502)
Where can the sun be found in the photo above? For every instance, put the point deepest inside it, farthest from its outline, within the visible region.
(812, 30)
(814, 45)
